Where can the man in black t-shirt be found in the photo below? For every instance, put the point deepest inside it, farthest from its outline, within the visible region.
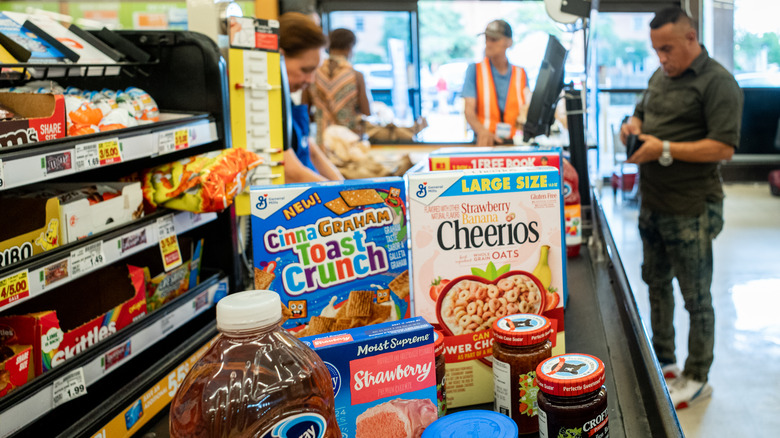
(689, 120)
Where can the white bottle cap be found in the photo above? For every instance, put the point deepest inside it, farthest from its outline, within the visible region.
(248, 310)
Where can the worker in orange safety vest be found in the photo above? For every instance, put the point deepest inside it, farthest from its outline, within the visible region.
(496, 93)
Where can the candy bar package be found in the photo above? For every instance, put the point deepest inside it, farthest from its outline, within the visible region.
(336, 252)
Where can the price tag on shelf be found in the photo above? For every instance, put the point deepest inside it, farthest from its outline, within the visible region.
(182, 137)
(169, 243)
(14, 287)
(2, 175)
(110, 151)
(87, 258)
(87, 156)
(170, 141)
(167, 323)
(69, 386)
(165, 226)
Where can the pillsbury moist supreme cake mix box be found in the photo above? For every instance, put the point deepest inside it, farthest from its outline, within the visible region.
(485, 243)
(383, 376)
(336, 252)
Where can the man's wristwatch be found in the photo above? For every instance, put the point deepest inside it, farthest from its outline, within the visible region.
(666, 156)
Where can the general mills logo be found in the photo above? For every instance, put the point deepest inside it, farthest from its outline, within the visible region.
(422, 190)
(262, 203)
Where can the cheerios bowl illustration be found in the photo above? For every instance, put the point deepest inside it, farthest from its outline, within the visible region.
(469, 304)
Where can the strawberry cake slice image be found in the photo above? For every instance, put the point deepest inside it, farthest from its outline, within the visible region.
(397, 418)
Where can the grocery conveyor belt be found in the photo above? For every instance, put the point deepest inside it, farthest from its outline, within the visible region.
(601, 319)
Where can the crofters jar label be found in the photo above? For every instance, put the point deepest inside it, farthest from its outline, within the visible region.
(524, 323)
(570, 367)
(597, 427)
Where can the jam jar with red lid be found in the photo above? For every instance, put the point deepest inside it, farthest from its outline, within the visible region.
(520, 343)
(572, 397)
(441, 379)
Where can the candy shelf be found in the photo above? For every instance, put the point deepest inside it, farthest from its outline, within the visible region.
(188, 81)
(90, 254)
(59, 71)
(150, 394)
(26, 405)
(22, 165)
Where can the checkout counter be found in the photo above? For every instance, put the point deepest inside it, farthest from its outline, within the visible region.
(602, 319)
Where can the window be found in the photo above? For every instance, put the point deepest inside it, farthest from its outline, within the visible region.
(625, 60)
(450, 41)
(756, 43)
(384, 54)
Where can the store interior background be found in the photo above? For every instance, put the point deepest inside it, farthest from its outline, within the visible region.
(439, 40)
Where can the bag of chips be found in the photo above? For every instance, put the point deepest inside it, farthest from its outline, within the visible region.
(203, 183)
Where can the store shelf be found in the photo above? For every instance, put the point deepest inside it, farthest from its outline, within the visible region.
(22, 165)
(31, 71)
(149, 394)
(24, 406)
(50, 271)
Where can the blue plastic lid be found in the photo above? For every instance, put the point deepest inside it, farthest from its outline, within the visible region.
(472, 424)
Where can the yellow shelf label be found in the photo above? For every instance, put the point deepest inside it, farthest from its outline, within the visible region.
(14, 288)
(109, 152)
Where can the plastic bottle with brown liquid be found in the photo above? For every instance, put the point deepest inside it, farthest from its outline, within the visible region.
(257, 380)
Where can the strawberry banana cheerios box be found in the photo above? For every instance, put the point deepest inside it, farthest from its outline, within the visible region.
(336, 252)
(485, 243)
(383, 376)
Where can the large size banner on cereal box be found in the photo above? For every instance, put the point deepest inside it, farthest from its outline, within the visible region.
(485, 243)
(336, 252)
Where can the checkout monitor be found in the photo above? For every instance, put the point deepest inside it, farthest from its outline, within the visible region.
(547, 91)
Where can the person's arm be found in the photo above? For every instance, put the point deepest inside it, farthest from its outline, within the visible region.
(306, 97)
(296, 172)
(483, 135)
(722, 112)
(363, 103)
(322, 163)
(701, 151)
(523, 117)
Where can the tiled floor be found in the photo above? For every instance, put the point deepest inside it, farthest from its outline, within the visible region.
(746, 294)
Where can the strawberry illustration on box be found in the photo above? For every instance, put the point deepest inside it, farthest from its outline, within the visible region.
(485, 243)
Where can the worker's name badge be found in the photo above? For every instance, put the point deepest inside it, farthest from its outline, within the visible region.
(503, 130)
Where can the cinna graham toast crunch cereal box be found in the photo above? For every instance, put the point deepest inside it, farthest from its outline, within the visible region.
(336, 252)
(485, 243)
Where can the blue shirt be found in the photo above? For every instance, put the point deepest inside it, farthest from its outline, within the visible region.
(501, 82)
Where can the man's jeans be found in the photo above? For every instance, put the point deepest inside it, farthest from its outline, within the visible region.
(681, 246)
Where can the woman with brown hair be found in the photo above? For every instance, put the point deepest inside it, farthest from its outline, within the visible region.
(300, 41)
